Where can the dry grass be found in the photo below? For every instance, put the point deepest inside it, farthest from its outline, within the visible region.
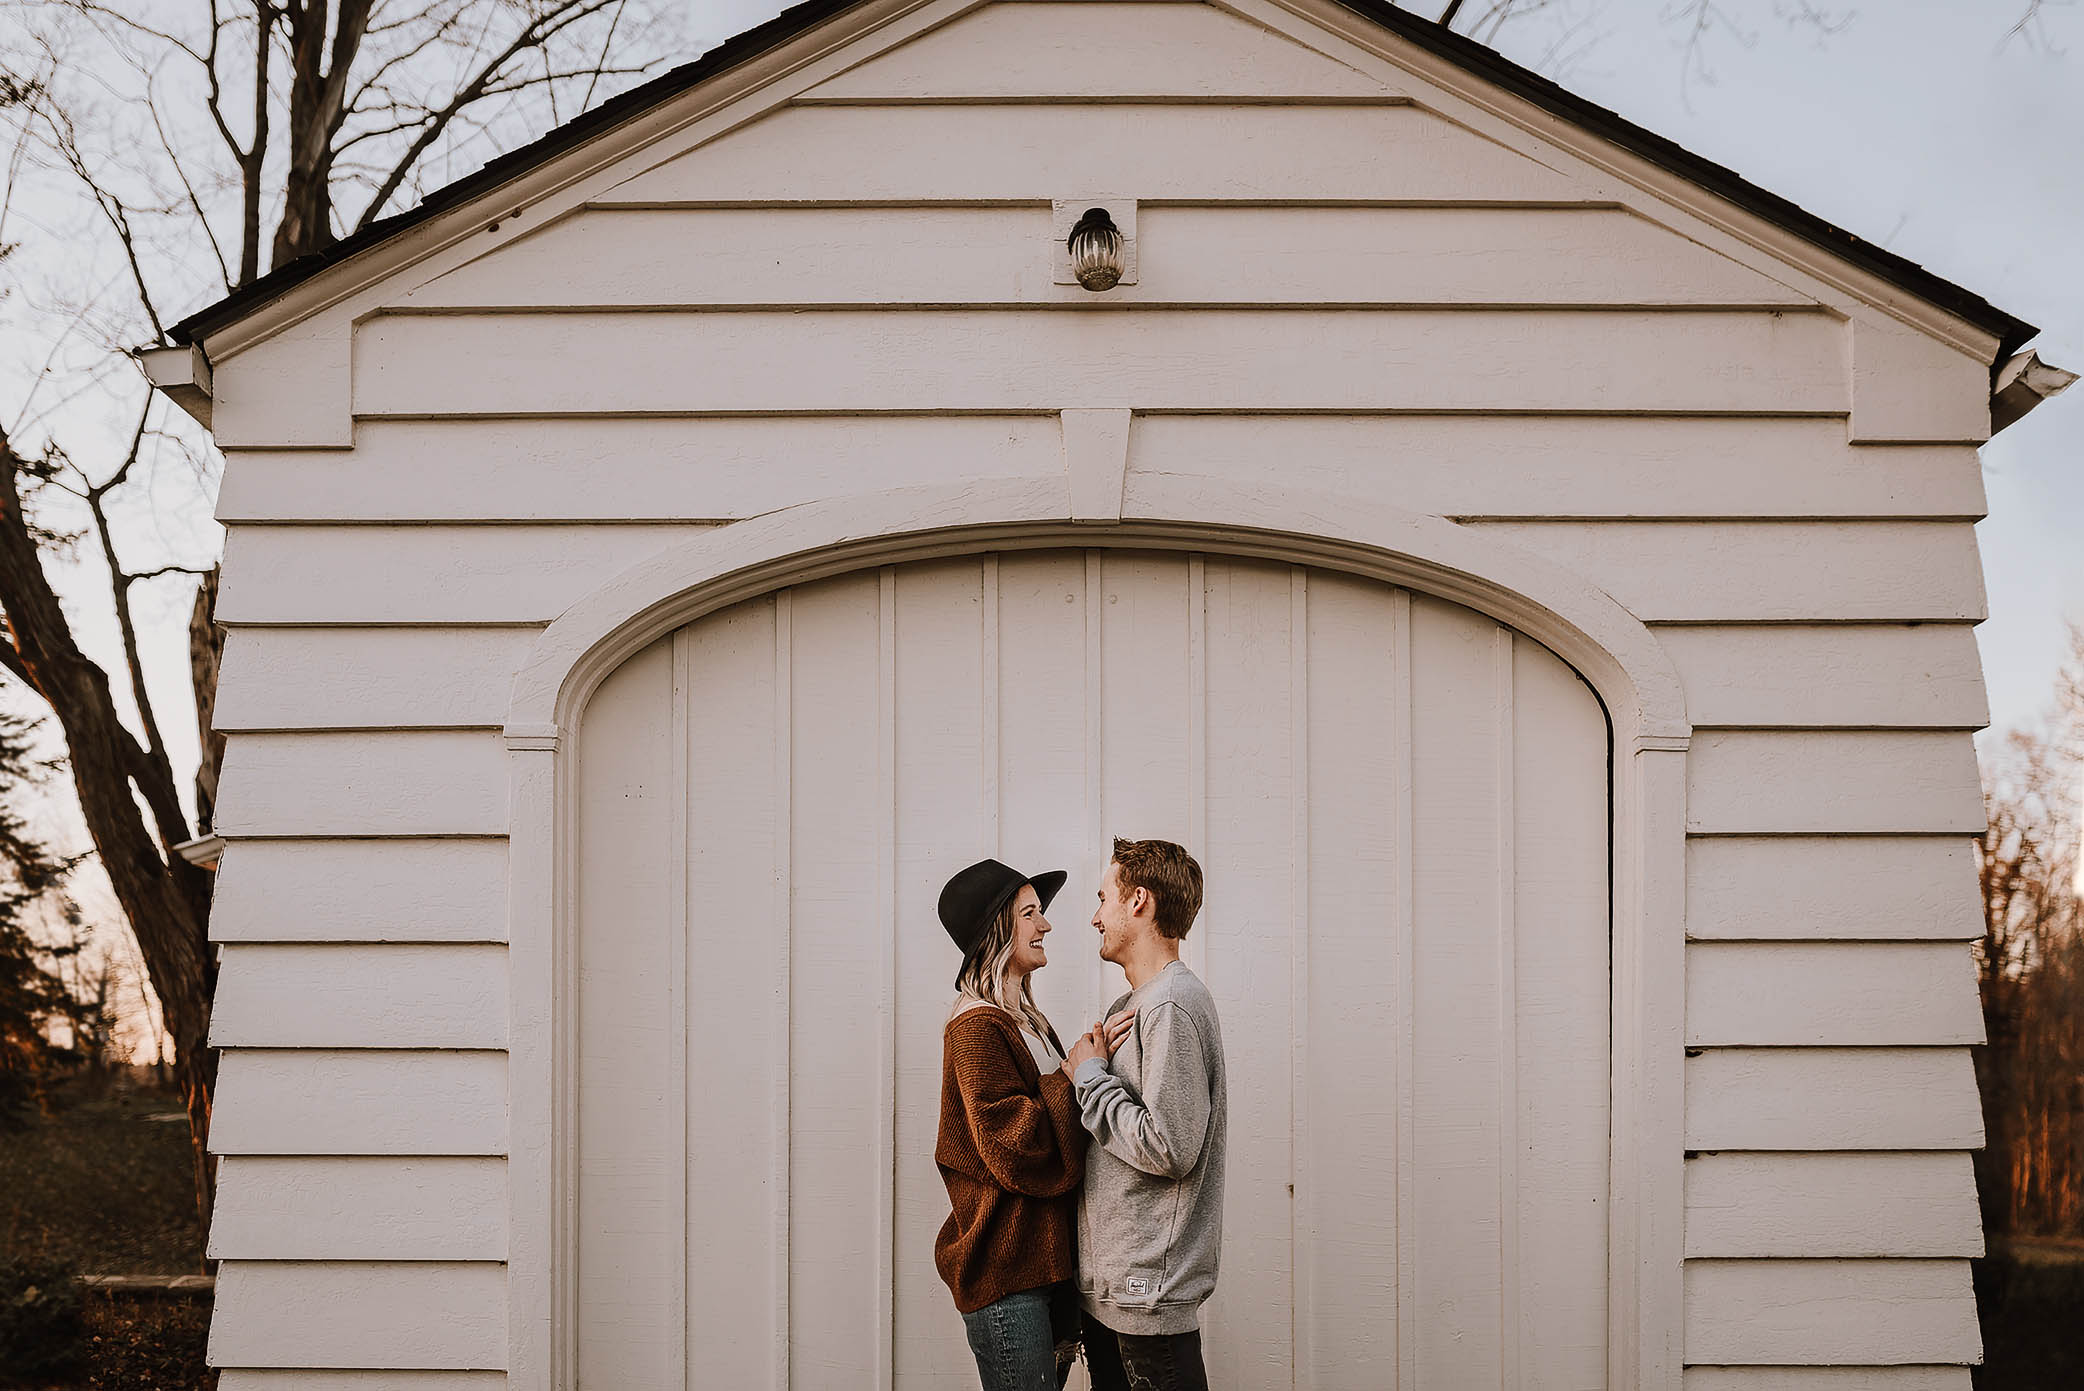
(101, 1187)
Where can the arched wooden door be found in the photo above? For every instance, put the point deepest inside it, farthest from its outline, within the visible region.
(1402, 811)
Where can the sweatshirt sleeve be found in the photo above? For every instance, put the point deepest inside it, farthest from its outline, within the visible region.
(1029, 1144)
(1162, 1131)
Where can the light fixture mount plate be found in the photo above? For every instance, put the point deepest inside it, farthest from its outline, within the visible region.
(1064, 215)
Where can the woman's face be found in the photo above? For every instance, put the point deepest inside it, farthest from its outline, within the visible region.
(1029, 928)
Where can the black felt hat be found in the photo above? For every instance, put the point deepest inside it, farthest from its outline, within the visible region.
(978, 894)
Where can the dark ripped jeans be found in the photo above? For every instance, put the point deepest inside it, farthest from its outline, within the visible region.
(1125, 1362)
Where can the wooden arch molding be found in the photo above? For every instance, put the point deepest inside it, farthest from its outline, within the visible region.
(1587, 628)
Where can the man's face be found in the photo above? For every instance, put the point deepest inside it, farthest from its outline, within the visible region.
(1115, 918)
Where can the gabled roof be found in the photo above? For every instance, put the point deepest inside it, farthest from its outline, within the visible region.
(1434, 38)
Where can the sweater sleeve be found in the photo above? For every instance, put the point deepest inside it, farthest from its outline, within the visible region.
(1162, 1131)
(1030, 1144)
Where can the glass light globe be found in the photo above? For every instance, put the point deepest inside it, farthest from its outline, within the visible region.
(1096, 250)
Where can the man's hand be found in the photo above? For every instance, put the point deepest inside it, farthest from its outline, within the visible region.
(1101, 1040)
(1116, 1029)
(1091, 1044)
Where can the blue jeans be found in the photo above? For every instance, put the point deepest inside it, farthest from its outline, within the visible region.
(1019, 1347)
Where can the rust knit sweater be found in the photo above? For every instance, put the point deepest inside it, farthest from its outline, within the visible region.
(1012, 1153)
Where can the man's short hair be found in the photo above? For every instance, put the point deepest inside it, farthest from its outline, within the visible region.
(1168, 873)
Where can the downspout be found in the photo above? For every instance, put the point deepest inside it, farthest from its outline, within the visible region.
(182, 374)
(2022, 383)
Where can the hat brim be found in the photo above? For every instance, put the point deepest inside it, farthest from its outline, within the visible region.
(1047, 885)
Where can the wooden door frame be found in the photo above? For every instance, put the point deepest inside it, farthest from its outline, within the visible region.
(1615, 653)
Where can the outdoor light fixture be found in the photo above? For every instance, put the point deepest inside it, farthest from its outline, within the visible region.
(1096, 250)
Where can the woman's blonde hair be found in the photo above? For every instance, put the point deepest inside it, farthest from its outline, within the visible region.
(986, 976)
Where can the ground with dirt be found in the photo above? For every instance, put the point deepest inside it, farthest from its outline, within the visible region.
(102, 1186)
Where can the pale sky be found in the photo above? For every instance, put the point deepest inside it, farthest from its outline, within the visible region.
(1921, 126)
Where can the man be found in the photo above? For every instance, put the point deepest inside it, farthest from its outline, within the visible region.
(1150, 1214)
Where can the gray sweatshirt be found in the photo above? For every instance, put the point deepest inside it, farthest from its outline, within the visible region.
(1150, 1216)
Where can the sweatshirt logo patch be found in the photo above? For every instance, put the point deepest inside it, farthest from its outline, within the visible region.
(1139, 1284)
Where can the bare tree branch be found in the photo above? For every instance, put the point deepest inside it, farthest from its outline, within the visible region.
(112, 209)
(119, 593)
(2031, 25)
(199, 571)
(254, 163)
(202, 219)
(532, 35)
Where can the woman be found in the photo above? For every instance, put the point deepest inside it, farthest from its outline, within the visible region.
(1011, 1148)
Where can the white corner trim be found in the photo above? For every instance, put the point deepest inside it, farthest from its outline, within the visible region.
(1614, 652)
(1096, 461)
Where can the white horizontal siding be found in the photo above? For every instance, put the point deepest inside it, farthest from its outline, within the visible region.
(1152, 359)
(490, 574)
(636, 258)
(435, 1315)
(1664, 571)
(352, 678)
(404, 783)
(1832, 1099)
(1040, 152)
(361, 996)
(313, 1101)
(1822, 887)
(1827, 1379)
(315, 1379)
(1872, 1312)
(360, 1209)
(1813, 1205)
(1862, 993)
(1745, 781)
(599, 469)
(1556, 466)
(361, 891)
(1115, 50)
(1780, 572)
(1786, 676)
(644, 468)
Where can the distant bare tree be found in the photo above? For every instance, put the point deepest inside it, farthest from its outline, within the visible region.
(236, 137)
(2031, 958)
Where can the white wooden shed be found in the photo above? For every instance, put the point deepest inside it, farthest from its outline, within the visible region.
(1531, 567)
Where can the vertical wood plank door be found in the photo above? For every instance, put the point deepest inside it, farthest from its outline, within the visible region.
(1401, 809)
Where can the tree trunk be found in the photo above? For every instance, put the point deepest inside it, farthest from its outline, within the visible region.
(165, 898)
(205, 655)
